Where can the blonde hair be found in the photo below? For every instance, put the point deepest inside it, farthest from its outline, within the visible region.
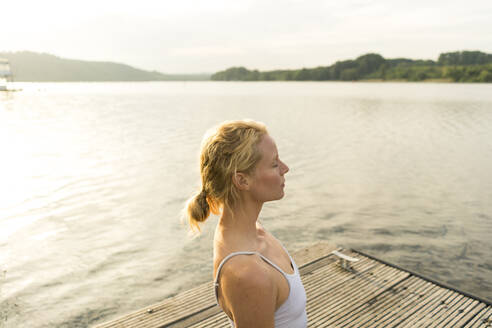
(229, 148)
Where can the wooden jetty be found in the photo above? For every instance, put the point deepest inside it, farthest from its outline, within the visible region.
(366, 292)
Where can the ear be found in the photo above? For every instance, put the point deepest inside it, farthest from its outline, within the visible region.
(241, 181)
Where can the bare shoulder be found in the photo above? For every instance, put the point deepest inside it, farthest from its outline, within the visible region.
(247, 271)
(249, 291)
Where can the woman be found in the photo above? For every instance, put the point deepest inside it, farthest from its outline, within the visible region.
(257, 283)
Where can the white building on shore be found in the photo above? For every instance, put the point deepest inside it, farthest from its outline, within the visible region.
(5, 74)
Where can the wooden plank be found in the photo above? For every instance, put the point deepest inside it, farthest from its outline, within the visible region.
(338, 290)
(451, 311)
(421, 311)
(435, 311)
(165, 314)
(391, 303)
(217, 320)
(482, 319)
(469, 315)
(359, 291)
(461, 313)
(445, 309)
(398, 318)
(195, 318)
(355, 289)
(195, 300)
(364, 311)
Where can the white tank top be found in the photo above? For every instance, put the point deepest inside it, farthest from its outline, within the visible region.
(292, 313)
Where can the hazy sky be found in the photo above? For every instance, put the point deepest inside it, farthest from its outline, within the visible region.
(184, 36)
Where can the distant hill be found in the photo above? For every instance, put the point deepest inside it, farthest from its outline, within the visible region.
(41, 67)
(459, 66)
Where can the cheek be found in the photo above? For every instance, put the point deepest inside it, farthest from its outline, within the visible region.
(269, 178)
(268, 186)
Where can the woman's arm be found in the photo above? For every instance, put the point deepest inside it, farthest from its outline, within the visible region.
(249, 292)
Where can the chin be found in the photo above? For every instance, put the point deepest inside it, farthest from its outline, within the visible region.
(279, 197)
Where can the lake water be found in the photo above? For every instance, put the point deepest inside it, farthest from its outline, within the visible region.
(94, 176)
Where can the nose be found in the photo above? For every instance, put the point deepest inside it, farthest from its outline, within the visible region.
(285, 168)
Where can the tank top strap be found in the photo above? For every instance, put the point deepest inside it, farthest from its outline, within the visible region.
(272, 264)
(224, 260)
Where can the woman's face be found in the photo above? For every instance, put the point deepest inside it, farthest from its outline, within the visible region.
(268, 181)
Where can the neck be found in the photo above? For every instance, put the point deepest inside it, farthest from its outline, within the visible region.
(239, 224)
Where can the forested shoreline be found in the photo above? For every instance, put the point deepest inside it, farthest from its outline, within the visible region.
(459, 66)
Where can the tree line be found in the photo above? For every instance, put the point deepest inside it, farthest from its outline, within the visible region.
(460, 66)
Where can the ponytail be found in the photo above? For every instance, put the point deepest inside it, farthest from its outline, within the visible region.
(199, 208)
